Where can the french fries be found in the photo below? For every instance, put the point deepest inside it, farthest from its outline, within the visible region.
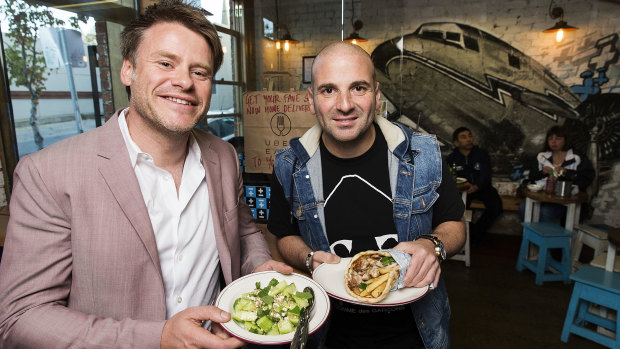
(388, 269)
(378, 282)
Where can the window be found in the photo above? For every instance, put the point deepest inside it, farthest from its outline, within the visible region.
(65, 105)
(471, 43)
(228, 82)
(433, 34)
(451, 36)
(514, 61)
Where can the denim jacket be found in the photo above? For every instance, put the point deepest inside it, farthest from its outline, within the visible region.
(414, 162)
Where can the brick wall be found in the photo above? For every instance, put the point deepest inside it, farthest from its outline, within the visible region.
(517, 22)
(105, 74)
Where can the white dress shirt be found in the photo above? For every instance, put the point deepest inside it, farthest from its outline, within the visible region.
(182, 224)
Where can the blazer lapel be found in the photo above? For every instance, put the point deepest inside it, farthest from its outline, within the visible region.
(213, 176)
(114, 165)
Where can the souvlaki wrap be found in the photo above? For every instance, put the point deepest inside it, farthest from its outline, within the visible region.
(371, 275)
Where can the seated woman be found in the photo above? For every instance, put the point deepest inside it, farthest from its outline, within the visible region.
(559, 157)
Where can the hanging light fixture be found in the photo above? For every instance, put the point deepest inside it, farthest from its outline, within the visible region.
(286, 39)
(354, 37)
(560, 26)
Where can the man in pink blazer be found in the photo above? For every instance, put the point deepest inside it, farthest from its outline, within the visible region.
(81, 266)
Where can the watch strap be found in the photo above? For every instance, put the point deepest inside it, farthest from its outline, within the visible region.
(439, 248)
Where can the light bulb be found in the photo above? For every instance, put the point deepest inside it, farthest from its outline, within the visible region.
(277, 45)
(286, 46)
(354, 42)
(559, 35)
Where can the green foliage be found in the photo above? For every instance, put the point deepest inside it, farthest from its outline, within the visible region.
(26, 67)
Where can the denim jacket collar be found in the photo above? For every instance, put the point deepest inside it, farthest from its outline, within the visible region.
(393, 134)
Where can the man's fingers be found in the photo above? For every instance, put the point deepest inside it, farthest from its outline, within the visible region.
(208, 312)
(325, 257)
(280, 267)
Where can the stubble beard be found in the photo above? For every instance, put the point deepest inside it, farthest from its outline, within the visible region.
(157, 122)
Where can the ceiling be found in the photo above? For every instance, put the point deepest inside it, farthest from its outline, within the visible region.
(119, 11)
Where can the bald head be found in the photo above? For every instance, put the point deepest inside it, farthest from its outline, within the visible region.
(339, 50)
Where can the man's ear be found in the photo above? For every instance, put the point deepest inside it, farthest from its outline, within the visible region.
(311, 100)
(127, 72)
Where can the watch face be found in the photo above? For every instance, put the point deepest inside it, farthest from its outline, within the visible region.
(443, 251)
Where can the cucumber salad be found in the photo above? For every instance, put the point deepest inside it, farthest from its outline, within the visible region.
(271, 310)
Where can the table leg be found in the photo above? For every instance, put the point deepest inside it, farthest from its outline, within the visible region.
(532, 211)
(571, 216)
(528, 210)
(536, 211)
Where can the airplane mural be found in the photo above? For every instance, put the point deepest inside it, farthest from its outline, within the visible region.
(446, 74)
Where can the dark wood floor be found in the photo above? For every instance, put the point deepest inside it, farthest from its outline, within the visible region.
(495, 306)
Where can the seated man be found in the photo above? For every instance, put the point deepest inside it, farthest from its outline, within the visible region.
(474, 164)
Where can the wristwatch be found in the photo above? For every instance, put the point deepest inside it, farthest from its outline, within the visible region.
(440, 250)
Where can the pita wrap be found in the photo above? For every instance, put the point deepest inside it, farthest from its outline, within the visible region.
(370, 276)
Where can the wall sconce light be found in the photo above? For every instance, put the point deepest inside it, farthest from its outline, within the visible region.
(285, 40)
(354, 37)
(560, 26)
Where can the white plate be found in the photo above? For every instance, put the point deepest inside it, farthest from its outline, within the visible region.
(331, 277)
(460, 180)
(234, 290)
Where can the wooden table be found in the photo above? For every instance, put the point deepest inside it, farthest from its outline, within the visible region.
(532, 210)
(533, 200)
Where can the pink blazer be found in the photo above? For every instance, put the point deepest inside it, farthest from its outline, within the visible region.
(80, 265)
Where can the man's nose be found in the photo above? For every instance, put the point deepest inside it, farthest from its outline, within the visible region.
(182, 79)
(345, 102)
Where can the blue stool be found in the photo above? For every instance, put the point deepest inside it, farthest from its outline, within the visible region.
(546, 236)
(593, 285)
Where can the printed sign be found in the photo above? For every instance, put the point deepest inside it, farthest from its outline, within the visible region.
(270, 120)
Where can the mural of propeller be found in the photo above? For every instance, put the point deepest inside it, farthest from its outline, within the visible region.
(599, 116)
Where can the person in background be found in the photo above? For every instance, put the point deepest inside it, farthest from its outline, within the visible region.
(474, 164)
(347, 186)
(558, 157)
(123, 236)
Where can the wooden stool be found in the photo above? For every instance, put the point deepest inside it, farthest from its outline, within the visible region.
(546, 236)
(593, 236)
(596, 286)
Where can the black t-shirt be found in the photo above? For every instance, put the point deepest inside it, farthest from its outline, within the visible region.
(448, 207)
(359, 217)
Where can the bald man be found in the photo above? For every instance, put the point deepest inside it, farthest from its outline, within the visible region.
(347, 185)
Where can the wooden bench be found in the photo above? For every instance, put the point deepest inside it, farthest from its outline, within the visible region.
(509, 203)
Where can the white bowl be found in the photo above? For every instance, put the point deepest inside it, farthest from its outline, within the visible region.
(534, 187)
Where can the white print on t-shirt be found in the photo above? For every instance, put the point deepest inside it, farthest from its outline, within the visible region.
(348, 244)
(360, 178)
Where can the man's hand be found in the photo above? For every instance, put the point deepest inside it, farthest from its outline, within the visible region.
(424, 267)
(275, 266)
(547, 169)
(184, 330)
(324, 257)
(472, 189)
